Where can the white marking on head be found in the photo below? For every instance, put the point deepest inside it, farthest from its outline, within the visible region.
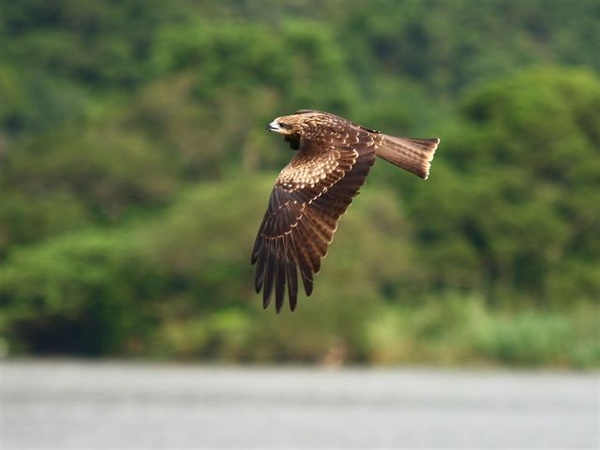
(274, 126)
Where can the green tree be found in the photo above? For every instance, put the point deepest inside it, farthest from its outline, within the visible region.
(512, 209)
(61, 181)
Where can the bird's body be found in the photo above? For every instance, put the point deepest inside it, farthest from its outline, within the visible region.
(315, 189)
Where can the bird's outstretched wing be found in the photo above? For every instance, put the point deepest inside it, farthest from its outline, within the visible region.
(311, 194)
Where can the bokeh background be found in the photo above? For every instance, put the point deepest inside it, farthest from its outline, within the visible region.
(135, 170)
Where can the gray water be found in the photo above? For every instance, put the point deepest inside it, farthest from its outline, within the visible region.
(83, 405)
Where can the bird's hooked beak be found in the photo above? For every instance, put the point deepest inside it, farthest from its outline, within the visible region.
(274, 126)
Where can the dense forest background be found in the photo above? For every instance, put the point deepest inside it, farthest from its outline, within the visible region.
(135, 170)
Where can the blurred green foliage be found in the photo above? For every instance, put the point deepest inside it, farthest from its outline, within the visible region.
(134, 171)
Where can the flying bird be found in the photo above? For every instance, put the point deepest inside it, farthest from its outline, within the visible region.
(315, 189)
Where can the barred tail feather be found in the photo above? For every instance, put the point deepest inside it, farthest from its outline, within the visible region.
(414, 155)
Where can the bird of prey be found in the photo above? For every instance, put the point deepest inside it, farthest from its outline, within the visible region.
(315, 189)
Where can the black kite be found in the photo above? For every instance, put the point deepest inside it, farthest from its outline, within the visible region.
(314, 190)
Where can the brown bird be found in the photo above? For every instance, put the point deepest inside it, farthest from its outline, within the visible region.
(314, 190)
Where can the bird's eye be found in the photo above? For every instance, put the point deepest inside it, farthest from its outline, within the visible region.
(283, 125)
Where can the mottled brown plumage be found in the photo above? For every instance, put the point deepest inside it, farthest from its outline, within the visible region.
(314, 190)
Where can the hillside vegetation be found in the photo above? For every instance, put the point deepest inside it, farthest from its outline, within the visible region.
(135, 170)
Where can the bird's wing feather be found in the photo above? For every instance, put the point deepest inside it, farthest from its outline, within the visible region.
(310, 195)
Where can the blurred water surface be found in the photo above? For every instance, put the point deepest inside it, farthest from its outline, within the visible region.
(102, 405)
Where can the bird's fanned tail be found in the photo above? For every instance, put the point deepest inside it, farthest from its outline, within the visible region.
(414, 155)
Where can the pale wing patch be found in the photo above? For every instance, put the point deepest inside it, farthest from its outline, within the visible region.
(306, 180)
(303, 171)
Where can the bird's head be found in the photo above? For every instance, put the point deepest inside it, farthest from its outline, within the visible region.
(287, 125)
(298, 122)
(305, 124)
